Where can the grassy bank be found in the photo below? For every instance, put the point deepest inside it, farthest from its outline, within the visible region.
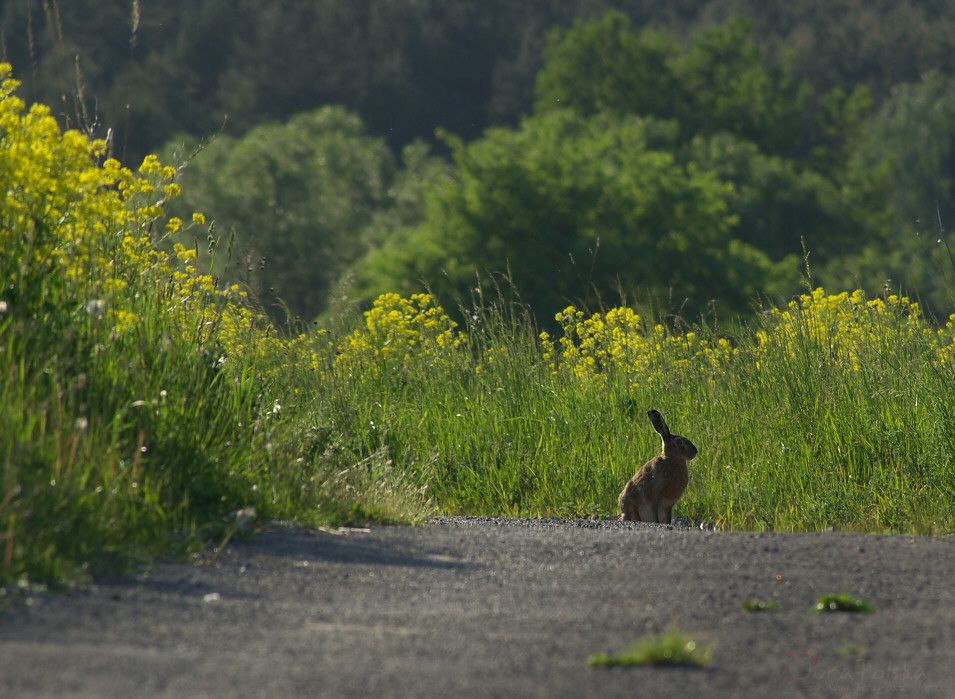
(141, 402)
(832, 412)
(147, 408)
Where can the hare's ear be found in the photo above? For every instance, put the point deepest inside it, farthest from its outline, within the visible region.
(656, 419)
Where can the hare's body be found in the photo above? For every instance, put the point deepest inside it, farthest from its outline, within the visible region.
(651, 494)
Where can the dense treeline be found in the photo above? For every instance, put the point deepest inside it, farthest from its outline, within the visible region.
(682, 175)
(406, 66)
(671, 152)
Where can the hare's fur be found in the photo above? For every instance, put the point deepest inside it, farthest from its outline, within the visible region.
(651, 494)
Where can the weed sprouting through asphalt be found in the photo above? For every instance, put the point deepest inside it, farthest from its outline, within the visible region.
(673, 647)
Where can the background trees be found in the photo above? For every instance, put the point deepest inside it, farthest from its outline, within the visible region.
(688, 175)
(720, 83)
(578, 210)
(303, 199)
(750, 128)
(406, 66)
(909, 146)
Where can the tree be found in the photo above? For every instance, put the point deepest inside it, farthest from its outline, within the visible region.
(779, 205)
(605, 65)
(407, 66)
(913, 136)
(728, 88)
(748, 121)
(576, 210)
(718, 84)
(908, 149)
(303, 198)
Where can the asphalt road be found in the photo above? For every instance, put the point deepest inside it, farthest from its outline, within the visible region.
(497, 608)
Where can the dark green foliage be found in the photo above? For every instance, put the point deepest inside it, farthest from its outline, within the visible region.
(914, 132)
(787, 152)
(607, 66)
(688, 175)
(779, 203)
(901, 171)
(718, 84)
(758, 95)
(576, 210)
(304, 199)
(843, 43)
(406, 66)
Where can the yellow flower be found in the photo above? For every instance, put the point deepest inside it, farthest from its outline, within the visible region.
(401, 331)
(150, 165)
(95, 219)
(122, 320)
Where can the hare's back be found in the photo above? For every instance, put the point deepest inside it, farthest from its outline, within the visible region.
(647, 476)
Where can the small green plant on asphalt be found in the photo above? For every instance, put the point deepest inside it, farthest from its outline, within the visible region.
(852, 650)
(842, 603)
(673, 647)
(757, 606)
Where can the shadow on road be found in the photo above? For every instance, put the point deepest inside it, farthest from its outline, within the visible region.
(345, 546)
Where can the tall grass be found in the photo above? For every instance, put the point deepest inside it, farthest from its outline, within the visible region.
(833, 412)
(141, 405)
(834, 415)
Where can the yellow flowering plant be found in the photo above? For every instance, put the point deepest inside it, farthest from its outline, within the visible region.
(76, 229)
(619, 343)
(399, 332)
(117, 420)
(847, 328)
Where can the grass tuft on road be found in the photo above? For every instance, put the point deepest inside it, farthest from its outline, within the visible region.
(671, 648)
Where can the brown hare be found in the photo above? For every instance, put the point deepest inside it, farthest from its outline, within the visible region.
(651, 494)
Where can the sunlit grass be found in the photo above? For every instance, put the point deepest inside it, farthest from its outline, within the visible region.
(144, 406)
(842, 603)
(831, 413)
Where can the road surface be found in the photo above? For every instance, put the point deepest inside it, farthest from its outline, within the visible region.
(481, 607)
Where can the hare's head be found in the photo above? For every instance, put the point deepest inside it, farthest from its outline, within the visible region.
(675, 446)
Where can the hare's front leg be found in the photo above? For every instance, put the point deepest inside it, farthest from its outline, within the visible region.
(665, 514)
(647, 513)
